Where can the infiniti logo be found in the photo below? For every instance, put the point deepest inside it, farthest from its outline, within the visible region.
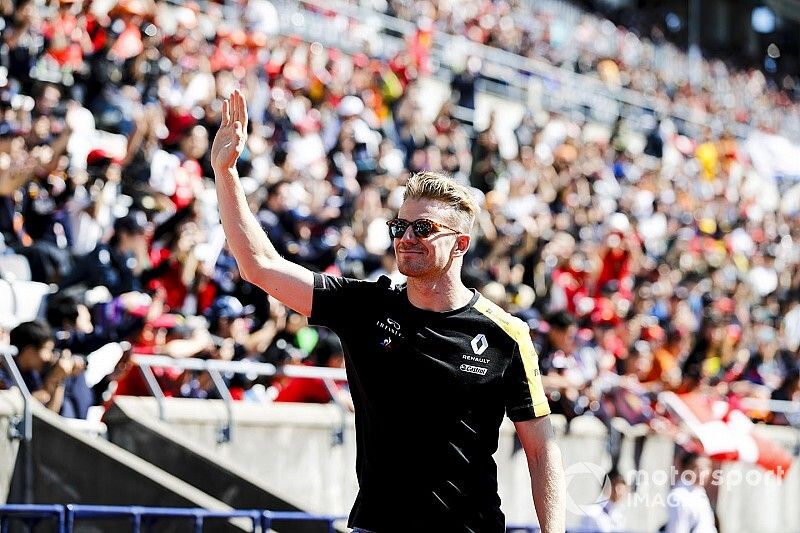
(390, 325)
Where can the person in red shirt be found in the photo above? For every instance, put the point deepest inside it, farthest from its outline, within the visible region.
(68, 37)
(329, 354)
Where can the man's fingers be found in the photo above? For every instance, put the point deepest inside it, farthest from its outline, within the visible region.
(243, 111)
(235, 102)
(225, 113)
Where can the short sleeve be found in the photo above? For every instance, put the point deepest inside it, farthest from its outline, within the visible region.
(339, 303)
(524, 393)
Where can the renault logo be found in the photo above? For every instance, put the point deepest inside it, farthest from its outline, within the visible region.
(479, 344)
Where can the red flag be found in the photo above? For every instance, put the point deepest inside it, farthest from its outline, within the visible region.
(726, 433)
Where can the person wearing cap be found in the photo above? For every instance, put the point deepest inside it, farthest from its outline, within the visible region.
(226, 321)
(431, 451)
(119, 264)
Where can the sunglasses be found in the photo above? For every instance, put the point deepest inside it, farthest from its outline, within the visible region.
(422, 227)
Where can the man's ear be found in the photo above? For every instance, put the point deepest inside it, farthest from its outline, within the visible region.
(462, 245)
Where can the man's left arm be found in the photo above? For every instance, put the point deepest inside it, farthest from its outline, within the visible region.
(547, 472)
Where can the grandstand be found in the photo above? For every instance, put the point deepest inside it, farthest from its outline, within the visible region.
(640, 210)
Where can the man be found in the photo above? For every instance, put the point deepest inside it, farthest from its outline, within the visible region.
(118, 265)
(607, 517)
(425, 453)
(688, 508)
(55, 380)
(568, 368)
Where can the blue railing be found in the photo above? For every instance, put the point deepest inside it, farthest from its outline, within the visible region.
(32, 515)
(260, 521)
(65, 516)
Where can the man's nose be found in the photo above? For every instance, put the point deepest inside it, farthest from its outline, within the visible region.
(409, 235)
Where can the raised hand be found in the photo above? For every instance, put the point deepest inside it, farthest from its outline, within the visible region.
(232, 135)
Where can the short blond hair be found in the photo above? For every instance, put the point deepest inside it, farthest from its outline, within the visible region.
(430, 185)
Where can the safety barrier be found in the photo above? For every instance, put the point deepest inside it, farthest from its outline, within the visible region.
(216, 369)
(32, 515)
(65, 517)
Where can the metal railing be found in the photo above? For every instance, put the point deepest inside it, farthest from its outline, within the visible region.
(775, 406)
(217, 368)
(21, 427)
(140, 517)
(65, 516)
(32, 515)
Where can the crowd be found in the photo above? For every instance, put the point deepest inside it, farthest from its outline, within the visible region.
(644, 61)
(672, 268)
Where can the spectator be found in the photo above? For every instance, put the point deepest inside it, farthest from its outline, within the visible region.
(328, 354)
(689, 510)
(788, 391)
(119, 265)
(53, 378)
(685, 256)
(607, 517)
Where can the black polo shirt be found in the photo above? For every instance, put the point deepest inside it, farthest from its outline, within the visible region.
(430, 390)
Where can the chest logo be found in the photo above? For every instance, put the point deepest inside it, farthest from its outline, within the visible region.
(479, 344)
(473, 369)
(390, 325)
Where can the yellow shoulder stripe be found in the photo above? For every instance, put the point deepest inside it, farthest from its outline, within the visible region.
(519, 331)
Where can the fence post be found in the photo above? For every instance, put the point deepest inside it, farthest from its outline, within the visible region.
(61, 528)
(266, 521)
(225, 394)
(155, 389)
(136, 521)
(70, 519)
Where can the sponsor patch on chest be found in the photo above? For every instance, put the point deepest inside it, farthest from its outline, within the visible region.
(472, 369)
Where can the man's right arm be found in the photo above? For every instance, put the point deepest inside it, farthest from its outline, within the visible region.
(259, 262)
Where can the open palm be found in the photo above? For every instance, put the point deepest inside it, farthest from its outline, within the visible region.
(232, 135)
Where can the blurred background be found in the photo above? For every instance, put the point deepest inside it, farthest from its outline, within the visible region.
(638, 170)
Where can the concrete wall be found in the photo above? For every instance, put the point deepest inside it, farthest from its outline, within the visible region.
(195, 464)
(69, 467)
(290, 450)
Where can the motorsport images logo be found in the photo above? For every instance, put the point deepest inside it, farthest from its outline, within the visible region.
(591, 487)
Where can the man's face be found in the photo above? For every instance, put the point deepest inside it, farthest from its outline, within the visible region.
(702, 470)
(42, 356)
(564, 338)
(619, 490)
(132, 242)
(423, 257)
(195, 144)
